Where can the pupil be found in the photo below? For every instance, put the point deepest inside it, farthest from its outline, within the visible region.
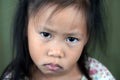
(46, 34)
(71, 39)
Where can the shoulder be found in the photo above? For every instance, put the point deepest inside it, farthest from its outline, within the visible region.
(98, 71)
(6, 76)
(10, 76)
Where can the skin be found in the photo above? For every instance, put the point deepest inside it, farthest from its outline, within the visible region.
(57, 47)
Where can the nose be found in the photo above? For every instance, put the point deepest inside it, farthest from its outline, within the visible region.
(57, 53)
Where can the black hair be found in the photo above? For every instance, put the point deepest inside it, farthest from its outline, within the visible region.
(22, 62)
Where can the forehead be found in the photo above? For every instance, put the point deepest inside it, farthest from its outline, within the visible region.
(49, 14)
(69, 18)
(54, 9)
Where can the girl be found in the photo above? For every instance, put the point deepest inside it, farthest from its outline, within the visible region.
(51, 41)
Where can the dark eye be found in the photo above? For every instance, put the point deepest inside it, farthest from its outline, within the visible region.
(72, 39)
(46, 35)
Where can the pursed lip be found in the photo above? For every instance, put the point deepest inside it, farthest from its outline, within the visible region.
(53, 67)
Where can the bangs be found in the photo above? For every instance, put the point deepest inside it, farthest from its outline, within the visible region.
(36, 5)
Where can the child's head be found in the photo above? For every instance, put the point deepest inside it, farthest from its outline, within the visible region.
(54, 34)
(56, 43)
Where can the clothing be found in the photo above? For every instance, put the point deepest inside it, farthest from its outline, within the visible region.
(97, 71)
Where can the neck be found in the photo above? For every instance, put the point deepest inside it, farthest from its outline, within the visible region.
(73, 74)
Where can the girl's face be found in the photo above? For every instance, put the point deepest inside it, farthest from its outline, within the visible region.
(56, 43)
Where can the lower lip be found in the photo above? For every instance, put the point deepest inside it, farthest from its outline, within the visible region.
(53, 67)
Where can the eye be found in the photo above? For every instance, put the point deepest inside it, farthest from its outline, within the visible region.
(72, 39)
(46, 35)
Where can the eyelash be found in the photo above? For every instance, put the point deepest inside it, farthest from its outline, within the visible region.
(47, 35)
(72, 39)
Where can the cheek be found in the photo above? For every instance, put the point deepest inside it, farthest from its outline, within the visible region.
(73, 56)
(38, 53)
(36, 49)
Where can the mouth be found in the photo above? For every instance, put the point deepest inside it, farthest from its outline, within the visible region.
(53, 67)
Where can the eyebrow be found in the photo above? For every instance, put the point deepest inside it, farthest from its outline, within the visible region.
(68, 34)
(48, 29)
